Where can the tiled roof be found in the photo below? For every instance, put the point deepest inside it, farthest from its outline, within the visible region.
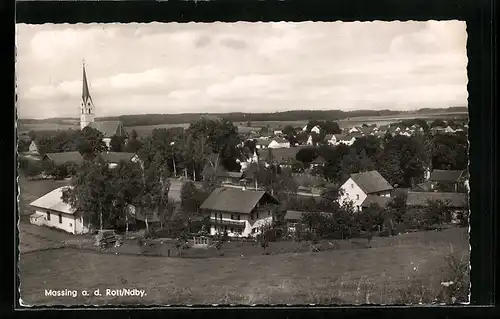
(116, 157)
(234, 200)
(65, 158)
(438, 175)
(109, 128)
(374, 199)
(293, 215)
(53, 201)
(371, 182)
(282, 154)
(456, 200)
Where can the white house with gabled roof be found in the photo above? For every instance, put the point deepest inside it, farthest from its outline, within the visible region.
(50, 210)
(357, 188)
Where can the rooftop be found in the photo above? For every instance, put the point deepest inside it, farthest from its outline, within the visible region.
(65, 158)
(371, 182)
(438, 175)
(234, 200)
(456, 200)
(53, 201)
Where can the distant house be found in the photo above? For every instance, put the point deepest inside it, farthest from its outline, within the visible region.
(262, 143)
(355, 129)
(316, 129)
(437, 130)
(114, 158)
(239, 212)
(278, 132)
(346, 140)
(304, 129)
(360, 185)
(446, 180)
(281, 156)
(226, 177)
(50, 210)
(318, 161)
(449, 129)
(456, 202)
(279, 143)
(64, 158)
(330, 139)
(292, 218)
(109, 129)
(33, 148)
(371, 199)
(310, 140)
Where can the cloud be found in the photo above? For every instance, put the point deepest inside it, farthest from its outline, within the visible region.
(257, 67)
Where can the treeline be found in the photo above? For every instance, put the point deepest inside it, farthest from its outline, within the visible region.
(299, 115)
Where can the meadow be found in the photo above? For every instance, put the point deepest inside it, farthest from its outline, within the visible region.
(375, 275)
(291, 274)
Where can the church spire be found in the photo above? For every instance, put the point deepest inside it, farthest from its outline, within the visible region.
(85, 89)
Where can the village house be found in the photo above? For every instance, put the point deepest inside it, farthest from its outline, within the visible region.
(50, 210)
(225, 177)
(446, 180)
(455, 202)
(114, 158)
(64, 158)
(33, 149)
(316, 129)
(262, 143)
(309, 140)
(370, 200)
(239, 212)
(449, 130)
(292, 218)
(281, 156)
(279, 143)
(278, 132)
(360, 185)
(437, 130)
(319, 161)
(346, 140)
(354, 129)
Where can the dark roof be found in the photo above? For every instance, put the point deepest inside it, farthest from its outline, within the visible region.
(116, 157)
(109, 128)
(423, 187)
(262, 141)
(438, 175)
(374, 199)
(371, 182)
(319, 160)
(457, 200)
(234, 200)
(65, 158)
(282, 154)
(306, 179)
(329, 137)
(293, 215)
(229, 174)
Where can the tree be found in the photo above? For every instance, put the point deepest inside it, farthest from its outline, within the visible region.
(436, 212)
(438, 122)
(330, 127)
(191, 199)
(90, 142)
(91, 194)
(117, 143)
(31, 168)
(133, 144)
(306, 155)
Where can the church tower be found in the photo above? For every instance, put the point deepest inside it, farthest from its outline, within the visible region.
(86, 105)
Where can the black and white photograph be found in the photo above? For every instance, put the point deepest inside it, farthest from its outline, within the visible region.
(245, 163)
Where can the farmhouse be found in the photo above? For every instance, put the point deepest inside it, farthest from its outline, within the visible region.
(316, 129)
(318, 161)
(456, 202)
(50, 210)
(445, 180)
(64, 158)
(360, 185)
(239, 212)
(371, 199)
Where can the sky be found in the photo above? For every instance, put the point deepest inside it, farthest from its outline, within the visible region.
(240, 67)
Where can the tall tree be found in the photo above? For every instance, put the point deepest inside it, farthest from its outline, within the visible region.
(117, 143)
(90, 142)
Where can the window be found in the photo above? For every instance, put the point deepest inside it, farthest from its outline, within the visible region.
(60, 218)
(352, 185)
(238, 217)
(231, 230)
(48, 216)
(232, 216)
(357, 196)
(269, 213)
(70, 225)
(359, 208)
(257, 215)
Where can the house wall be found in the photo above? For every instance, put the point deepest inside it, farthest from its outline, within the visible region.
(107, 141)
(245, 230)
(275, 144)
(352, 192)
(67, 222)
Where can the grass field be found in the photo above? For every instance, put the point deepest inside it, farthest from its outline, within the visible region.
(351, 276)
(289, 275)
